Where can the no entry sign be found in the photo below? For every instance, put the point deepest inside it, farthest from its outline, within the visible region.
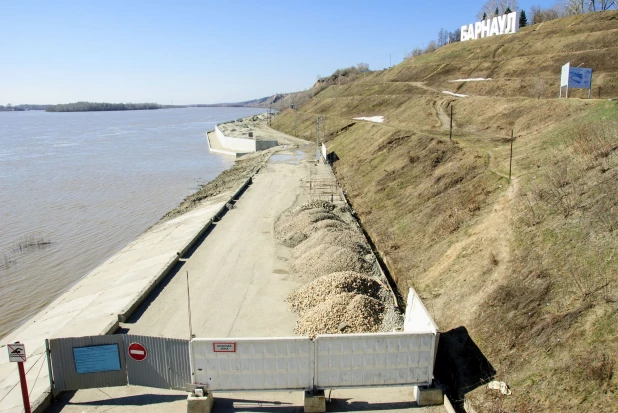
(137, 352)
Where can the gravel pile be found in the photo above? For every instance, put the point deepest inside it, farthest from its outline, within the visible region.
(342, 313)
(323, 288)
(292, 229)
(315, 204)
(349, 239)
(326, 259)
(346, 291)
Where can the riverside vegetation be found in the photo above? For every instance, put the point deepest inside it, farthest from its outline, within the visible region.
(100, 106)
(521, 275)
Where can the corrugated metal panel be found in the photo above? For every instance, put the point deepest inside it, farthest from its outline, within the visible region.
(166, 365)
(65, 373)
(256, 364)
(374, 359)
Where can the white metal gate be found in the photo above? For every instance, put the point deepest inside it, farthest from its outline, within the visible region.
(254, 363)
(329, 361)
(365, 360)
(166, 365)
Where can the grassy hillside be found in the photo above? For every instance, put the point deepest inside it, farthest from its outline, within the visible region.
(521, 275)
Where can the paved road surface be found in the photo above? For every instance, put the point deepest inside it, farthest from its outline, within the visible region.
(239, 279)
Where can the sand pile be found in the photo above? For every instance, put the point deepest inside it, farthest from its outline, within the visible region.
(342, 313)
(326, 259)
(323, 288)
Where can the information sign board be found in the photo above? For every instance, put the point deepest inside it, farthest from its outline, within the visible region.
(580, 78)
(224, 347)
(96, 359)
(575, 78)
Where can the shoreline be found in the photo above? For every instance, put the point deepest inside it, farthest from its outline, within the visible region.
(100, 301)
(178, 230)
(13, 324)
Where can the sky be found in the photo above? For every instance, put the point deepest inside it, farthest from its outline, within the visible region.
(189, 52)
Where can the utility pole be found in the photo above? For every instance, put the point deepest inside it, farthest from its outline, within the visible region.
(390, 60)
(189, 307)
(317, 139)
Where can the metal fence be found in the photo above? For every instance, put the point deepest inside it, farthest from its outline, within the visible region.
(226, 364)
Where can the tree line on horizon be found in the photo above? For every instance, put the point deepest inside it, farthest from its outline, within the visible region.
(21, 108)
(100, 106)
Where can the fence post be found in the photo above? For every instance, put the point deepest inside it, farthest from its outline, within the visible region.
(24, 386)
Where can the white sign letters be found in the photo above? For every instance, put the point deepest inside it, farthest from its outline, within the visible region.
(505, 24)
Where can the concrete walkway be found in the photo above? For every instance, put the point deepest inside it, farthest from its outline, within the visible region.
(238, 281)
(239, 278)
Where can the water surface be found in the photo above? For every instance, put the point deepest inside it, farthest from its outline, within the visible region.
(89, 183)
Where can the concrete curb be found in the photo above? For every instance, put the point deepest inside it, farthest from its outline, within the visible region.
(187, 247)
(42, 403)
(448, 406)
(141, 296)
(375, 253)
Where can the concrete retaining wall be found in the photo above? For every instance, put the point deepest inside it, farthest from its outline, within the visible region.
(236, 144)
(243, 145)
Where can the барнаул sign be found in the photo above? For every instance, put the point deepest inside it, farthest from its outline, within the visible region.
(505, 24)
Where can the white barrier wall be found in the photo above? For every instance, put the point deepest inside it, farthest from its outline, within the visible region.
(365, 360)
(254, 363)
(417, 318)
(236, 144)
(330, 361)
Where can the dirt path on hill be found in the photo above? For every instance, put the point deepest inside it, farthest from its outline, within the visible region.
(443, 116)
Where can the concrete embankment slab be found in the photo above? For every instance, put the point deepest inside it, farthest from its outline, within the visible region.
(110, 292)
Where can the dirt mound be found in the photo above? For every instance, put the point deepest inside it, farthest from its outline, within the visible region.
(327, 259)
(342, 313)
(323, 288)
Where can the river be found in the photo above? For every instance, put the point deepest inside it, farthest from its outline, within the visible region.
(77, 187)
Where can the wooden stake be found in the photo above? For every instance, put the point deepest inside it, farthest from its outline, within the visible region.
(511, 160)
(451, 133)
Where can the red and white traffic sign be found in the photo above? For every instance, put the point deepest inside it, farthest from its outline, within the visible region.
(137, 352)
(17, 352)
